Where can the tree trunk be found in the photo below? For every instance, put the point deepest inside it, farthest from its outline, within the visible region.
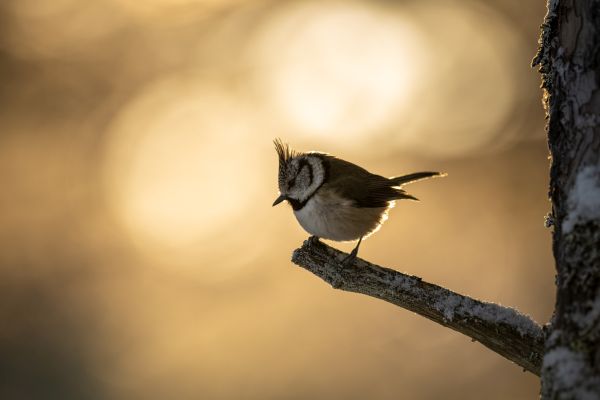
(569, 60)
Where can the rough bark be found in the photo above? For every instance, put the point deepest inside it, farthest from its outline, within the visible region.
(503, 330)
(569, 60)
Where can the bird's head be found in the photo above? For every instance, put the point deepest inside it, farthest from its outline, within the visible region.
(300, 174)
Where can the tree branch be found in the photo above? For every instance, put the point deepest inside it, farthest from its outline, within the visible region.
(504, 330)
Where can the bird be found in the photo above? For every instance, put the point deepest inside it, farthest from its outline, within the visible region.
(335, 199)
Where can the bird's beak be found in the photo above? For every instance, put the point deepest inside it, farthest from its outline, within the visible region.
(279, 200)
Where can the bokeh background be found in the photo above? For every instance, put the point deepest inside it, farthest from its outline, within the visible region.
(140, 257)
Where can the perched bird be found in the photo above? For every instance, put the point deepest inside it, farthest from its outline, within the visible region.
(335, 199)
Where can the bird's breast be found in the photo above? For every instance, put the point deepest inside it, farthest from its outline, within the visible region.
(331, 216)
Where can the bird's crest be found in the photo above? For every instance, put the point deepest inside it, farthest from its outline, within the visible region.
(285, 153)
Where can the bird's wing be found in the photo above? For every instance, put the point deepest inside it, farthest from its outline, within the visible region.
(364, 188)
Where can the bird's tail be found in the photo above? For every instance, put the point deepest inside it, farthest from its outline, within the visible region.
(417, 176)
(403, 180)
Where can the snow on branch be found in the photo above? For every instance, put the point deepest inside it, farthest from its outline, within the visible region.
(583, 203)
(504, 330)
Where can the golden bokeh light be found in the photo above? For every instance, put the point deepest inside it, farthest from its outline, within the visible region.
(73, 27)
(140, 254)
(155, 9)
(338, 69)
(175, 161)
(445, 122)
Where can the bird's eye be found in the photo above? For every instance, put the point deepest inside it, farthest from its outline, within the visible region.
(292, 182)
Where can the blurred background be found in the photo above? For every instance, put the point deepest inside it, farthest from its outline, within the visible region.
(140, 257)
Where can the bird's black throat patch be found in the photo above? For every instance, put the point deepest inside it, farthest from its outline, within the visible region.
(297, 204)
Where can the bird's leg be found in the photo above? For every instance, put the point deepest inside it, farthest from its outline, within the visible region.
(313, 240)
(349, 259)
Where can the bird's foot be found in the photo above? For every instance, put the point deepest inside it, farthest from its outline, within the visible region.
(313, 240)
(350, 258)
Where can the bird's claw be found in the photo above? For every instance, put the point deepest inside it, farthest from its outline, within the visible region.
(313, 240)
(349, 259)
